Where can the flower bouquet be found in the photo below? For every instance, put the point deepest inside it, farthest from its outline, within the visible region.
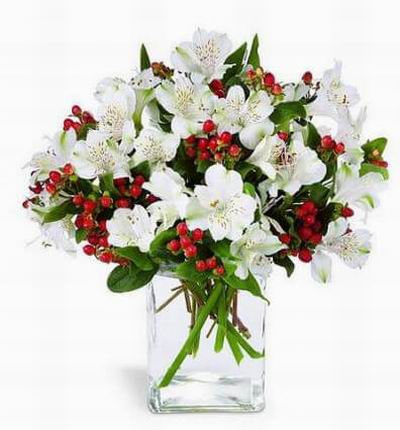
(208, 173)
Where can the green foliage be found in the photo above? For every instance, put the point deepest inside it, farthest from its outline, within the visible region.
(138, 258)
(376, 144)
(249, 284)
(254, 58)
(80, 235)
(59, 212)
(141, 169)
(284, 262)
(144, 58)
(287, 111)
(222, 248)
(107, 184)
(313, 139)
(236, 60)
(128, 278)
(158, 247)
(368, 168)
(187, 271)
(249, 189)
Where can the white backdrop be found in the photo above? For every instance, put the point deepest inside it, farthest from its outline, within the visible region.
(72, 354)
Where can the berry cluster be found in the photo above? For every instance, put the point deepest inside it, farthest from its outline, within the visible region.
(81, 118)
(213, 147)
(186, 243)
(265, 80)
(218, 88)
(330, 145)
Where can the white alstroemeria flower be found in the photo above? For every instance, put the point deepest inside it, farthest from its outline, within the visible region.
(333, 96)
(99, 155)
(58, 154)
(145, 80)
(349, 132)
(253, 248)
(353, 189)
(236, 114)
(155, 146)
(191, 104)
(204, 57)
(295, 92)
(293, 165)
(220, 205)
(352, 247)
(108, 88)
(131, 227)
(170, 188)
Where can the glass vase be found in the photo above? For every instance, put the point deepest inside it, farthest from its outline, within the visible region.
(206, 380)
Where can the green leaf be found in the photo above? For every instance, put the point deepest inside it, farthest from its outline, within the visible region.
(235, 348)
(249, 189)
(221, 249)
(144, 58)
(222, 316)
(128, 278)
(368, 168)
(236, 59)
(132, 253)
(245, 168)
(286, 263)
(80, 235)
(313, 139)
(243, 342)
(254, 58)
(187, 271)
(203, 165)
(372, 145)
(319, 194)
(158, 247)
(85, 186)
(249, 284)
(59, 212)
(287, 111)
(188, 345)
(142, 169)
(107, 184)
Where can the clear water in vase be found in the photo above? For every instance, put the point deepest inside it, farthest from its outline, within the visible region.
(207, 381)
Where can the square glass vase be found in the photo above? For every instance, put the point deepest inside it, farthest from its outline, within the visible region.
(206, 381)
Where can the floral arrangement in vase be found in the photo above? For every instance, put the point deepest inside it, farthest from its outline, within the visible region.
(214, 170)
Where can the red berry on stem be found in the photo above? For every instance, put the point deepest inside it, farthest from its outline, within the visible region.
(93, 239)
(202, 144)
(135, 191)
(182, 229)
(300, 212)
(139, 180)
(89, 206)
(174, 245)
(87, 222)
(219, 157)
(283, 136)
(204, 155)
(185, 242)
(78, 200)
(226, 137)
(106, 201)
(197, 234)
(219, 271)
(151, 199)
(55, 176)
(191, 251)
(309, 219)
(307, 78)
(216, 85)
(79, 221)
(327, 142)
(68, 123)
(305, 255)
(119, 182)
(234, 150)
(211, 263)
(68, 169)
(339, 148)
(208, 126)
(89, 250)
(25, 204)
(285, 238)
(76, 126)
(76, 110)
(106, 257)
(201, 266)
(87, 117)
(51, 188)
(213, 144)
(347, 212)
(103, 242)
(309, 207)
(316, 238)
(102, 224)
(190, 152)
(276, 90)
(122, 203)
(304, 233)
(269, 79)
(191, 140)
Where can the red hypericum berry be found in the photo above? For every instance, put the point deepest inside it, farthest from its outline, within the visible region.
(135, 191)
(55, 176)
(68, 123)
(89, 206)
(283, 136)
(220, 94)
(68, 169)
(191, 251)
(307, 78)
(37, 188)
(106, 201)
(226, 137)
(380, 163)
(106, 257)
(87, 117)
(87, 222)
(51, 188)
(25, 204)
(139, 180)
(197, 234)
(251, 74)
(89, 250)
(202, 144)
(276, 90)
(208, 126)
(204, 155)
(102, 224)
(316, 238)
(309, 219)
(122, 203)
(103, 242)
(76, 126)
(269, 79)
(219, 157)
(327, 142)
(304, 233)
(339, 148)
(309, 207)
(119, 182)
(123, 190)
(234, 150)
(219, 271)
(213, 144)
(317, 226)
(294, 252)
(79, 221)
(211, 263)
(201, 266)
(347, 212)
(216, 85)
(305, 255)
(78, 200)
(151, 198)
(285, 238)
(93, 239)
(174, 245)
(300, 212)
(76, 110)
(182, 229)
(185, 241)
(190, 152)
(191, 140)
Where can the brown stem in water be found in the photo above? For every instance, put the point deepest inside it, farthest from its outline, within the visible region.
(169, 300)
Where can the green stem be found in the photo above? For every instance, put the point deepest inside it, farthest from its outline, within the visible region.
(187, 347)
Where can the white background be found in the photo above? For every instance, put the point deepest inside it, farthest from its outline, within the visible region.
(72, 354)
